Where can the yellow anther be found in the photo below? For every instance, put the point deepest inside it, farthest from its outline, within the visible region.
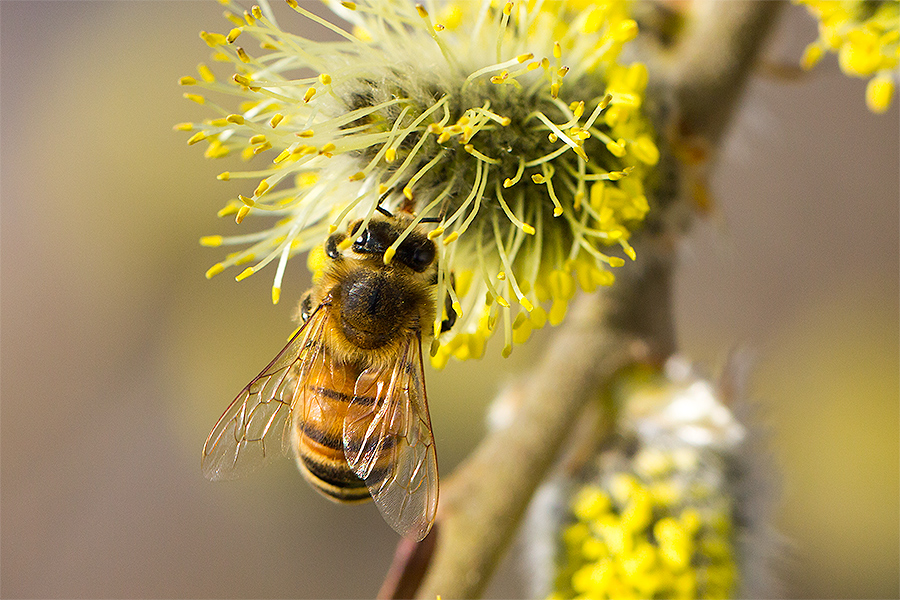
(435, 233)
(258, 139)
(451, 238)
(244, 274)
(242, 55)
(501, 276)
(224, 176)
(197, 137)
(533, 65)
(282, 156)
(627, 30)
(243, 212)
(553, 138)
(187, 81)
(502, 301)
(235, 119)
(879, 92)
(439, 27)
(446, 135)
(276, 119)
(247, 201)
(234, 18)
(184, 127)
(616, 148)
(196, 98)
(507, 8)
(421, 10)
(382, 188)
(524, 57)
(557, 50)
(233, 35)
(325, 78)
(276, 294)
(293, 4)
(257, 12)
(213, 39)
(240, 80)
(349, 5)
(262, 188)
(358, 176)
(307, 133)
(389, 255)
(211, 241)
(214, 270)
(205, 73)
(578, 110)
(562, 71)
(504, 121)
(435, 128)
(329, 147)
(407, 191)
(528, 229)
(309, 94)
(390, 155)
(538, 178)
(615, 261)
(345, 244)
(554, 90)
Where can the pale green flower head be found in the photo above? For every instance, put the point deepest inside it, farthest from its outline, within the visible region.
(510, 125)
(865, 34)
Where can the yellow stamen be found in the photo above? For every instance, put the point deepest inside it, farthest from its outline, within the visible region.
(211, 241)
(214, 270)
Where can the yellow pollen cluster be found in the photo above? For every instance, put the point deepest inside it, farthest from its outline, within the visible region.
(641, 536)
(866, 37)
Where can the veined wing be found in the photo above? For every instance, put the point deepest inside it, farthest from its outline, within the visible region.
(253, 429)
(389, 444)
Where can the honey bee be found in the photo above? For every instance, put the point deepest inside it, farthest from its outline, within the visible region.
(346, 396)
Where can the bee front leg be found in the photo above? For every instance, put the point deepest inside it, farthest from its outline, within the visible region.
(306, 306)
(331, 245)
(448, 323)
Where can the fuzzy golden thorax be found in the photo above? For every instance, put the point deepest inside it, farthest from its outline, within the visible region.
(374, 308)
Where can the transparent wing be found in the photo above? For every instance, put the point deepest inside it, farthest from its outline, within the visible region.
(253, 429)
(389, 445)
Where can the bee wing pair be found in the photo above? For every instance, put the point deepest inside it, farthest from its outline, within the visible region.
(387, 435)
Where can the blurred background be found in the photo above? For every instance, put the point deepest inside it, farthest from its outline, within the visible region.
(118, 356)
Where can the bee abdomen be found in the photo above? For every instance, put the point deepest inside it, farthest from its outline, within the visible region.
(333, 478)
(321, 459)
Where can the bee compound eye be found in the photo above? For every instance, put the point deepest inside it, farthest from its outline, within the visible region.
(422, 257)
(362, 242)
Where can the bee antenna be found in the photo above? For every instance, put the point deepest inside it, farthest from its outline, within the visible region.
(381, 199)
(430, 220)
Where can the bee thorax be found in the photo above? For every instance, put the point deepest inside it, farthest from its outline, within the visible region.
(374, 308)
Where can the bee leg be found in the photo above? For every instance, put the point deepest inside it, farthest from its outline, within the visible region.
(306, 306)
(447, 323)
(331, 245)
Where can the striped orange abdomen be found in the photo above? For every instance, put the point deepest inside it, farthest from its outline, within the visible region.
(318, 429)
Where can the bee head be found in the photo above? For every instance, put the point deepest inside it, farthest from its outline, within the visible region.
(416, 251)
